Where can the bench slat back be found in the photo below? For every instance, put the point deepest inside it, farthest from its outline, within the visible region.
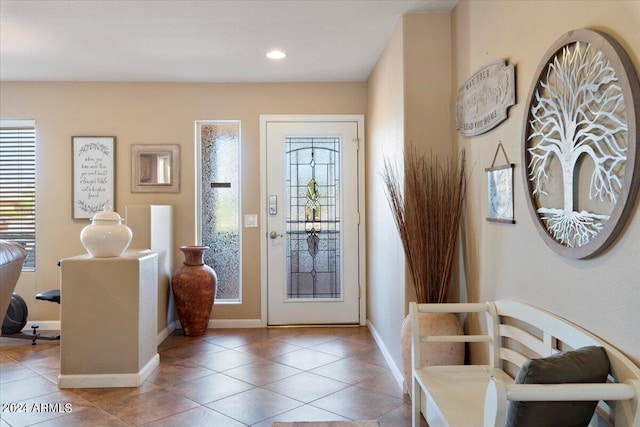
(527, 332)
(556, 333)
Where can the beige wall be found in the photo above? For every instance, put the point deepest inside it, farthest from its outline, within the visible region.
(385, 135)
(409, 99)
(406, 102)
(151, 113)
(427, 93)
(603, 294)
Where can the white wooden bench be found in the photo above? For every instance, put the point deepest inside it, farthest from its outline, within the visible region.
(478, 395)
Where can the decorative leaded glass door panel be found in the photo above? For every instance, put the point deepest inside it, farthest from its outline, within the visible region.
(312, 199)
(312, 222)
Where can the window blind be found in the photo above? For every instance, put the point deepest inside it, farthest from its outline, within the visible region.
(18, 185)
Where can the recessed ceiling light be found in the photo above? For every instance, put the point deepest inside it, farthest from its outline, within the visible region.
(276, 54)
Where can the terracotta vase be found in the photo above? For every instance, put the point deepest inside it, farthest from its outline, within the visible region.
(432, 353)
(194, 290)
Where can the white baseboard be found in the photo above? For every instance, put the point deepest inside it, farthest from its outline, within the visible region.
(230, 323)
(236, 323)
(43, 325)
(397, 372)
(109, 380)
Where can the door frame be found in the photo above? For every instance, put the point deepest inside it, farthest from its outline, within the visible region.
(270, 118)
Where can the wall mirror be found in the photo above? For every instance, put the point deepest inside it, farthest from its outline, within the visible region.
(155, 168)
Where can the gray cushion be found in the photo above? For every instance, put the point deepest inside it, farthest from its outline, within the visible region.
(584, 365)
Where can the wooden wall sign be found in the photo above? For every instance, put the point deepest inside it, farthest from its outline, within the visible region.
(484, 98)
(580, 143)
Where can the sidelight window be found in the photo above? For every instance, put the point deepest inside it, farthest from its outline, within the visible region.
(220, 203)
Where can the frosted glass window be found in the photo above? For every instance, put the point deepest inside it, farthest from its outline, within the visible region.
(220, 145)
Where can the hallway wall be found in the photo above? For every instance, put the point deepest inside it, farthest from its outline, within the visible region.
(512, 261)
(409, 99)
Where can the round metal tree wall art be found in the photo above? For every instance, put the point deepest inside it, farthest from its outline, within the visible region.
(580, 139)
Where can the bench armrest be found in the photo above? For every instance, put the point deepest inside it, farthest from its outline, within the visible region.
(456, 308)
(455, 338)
(452, 307)
(498, 395)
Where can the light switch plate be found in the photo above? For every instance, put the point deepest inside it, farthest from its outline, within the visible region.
(251, 221)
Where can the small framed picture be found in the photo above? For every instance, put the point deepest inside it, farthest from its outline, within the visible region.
(93, 174)
(500, 193)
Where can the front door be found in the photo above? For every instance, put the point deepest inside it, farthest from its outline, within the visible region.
(313, 219)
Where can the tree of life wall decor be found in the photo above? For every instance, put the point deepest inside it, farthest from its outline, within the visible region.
(580, 143)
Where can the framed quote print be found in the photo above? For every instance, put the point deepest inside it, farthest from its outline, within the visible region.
(93, 174)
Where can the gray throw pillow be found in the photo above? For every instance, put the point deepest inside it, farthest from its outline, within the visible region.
(584, 365)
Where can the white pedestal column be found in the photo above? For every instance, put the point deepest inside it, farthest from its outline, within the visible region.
(152, 227)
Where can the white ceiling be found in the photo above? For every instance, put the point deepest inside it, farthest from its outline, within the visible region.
(197, 40)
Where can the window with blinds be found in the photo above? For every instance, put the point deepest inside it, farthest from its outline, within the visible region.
(18, 185)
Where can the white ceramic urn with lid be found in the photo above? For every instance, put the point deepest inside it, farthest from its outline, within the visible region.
(106, 236)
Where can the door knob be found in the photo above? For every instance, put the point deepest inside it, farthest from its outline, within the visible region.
(274, 235)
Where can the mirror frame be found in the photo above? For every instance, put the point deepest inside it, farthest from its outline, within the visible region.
(137, 186)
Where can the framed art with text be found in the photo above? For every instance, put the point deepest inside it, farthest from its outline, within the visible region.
(93, 174)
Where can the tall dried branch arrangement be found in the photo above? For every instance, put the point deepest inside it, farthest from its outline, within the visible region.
(427, 207)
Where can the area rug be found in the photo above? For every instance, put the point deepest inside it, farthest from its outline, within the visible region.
(326, 424)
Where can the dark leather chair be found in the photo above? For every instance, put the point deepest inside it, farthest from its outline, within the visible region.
(12, 307)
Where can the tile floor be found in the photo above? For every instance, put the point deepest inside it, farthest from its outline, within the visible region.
(228, 377)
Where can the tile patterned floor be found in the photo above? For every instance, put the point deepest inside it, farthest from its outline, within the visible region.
(228, 377)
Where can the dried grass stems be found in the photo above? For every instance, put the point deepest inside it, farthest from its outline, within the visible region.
(427, 207)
